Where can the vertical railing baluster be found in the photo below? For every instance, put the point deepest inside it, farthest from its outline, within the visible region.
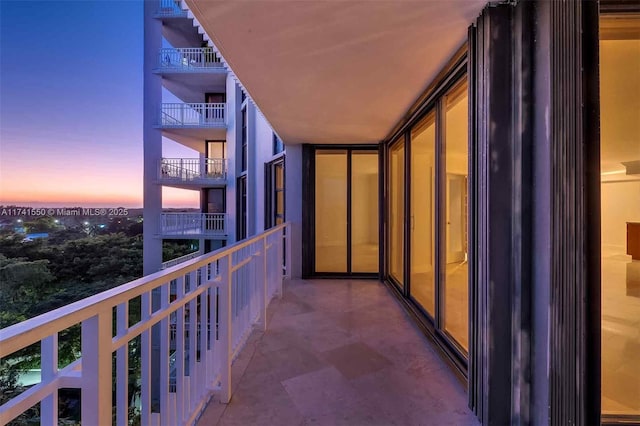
(165, 409)
(48, 372)
(193, 344)
(145, 361)
(96, 368)
(180, 351)
(264, 283)
(224, 316)
(122, 366)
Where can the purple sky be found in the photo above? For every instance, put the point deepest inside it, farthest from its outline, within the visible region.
(71, 105)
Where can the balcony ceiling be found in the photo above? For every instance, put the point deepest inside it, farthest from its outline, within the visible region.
(336, 71)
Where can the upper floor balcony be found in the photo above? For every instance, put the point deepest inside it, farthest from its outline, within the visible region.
(193, 225)
(190, 60)
(171, 9)
(181, 259)
(192, 115)
(192, 172)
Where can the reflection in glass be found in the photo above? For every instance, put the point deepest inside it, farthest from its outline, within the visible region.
(456, 291)
(364, 211)
(396, 210)
(331, 211)
(620, 214)
(422, 218)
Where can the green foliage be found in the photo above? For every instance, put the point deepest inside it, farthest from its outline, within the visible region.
(178, 248)
(42, 275)
(113, 258)
(41, 224)
(21, 279)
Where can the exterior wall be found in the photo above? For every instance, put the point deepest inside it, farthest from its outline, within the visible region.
(293, 205)
(259, 146)
(234, 135)
(263, 150)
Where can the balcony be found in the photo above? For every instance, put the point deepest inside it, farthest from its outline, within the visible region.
(177, 225)
(325, 352)
(192, 172)
(191, 123)
(179, 260)
(340, 352)
(171, 9)
(190, 60)
(205, 311)
(192, 115)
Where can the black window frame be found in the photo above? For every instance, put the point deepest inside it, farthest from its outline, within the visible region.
(271, 193)
(244, 147)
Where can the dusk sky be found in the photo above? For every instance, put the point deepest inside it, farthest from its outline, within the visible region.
(71, 105)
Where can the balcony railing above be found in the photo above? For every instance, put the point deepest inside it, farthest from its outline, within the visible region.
(179, 260)
(171, 8)
(202, 314)
(176, 115)
(192, 170)
(193, 224)
(198, 59)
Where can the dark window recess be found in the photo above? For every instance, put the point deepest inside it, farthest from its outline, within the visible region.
(245, 137)
(242, 208)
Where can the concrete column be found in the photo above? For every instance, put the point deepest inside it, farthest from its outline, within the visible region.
(233, 151)
(152, 141)
(293, 205)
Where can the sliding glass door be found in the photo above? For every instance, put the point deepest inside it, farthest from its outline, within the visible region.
(396, 212)
(423, 215)
(454, 252)
(331, 211)
(434, 217)
(346, 224)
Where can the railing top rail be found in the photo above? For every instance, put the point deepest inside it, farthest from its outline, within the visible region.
(191, 214)
(216, 104)
(186, 49)
(33, 330)
(193, 159)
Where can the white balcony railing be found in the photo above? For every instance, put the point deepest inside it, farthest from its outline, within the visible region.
(171, 8)
(194, 59)
(179, 260)
(192, 169)
(193, 224)
(230, 298)
(192, 114)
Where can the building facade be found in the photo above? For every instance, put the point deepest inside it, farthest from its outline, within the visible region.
(237, 161)
(481, 160)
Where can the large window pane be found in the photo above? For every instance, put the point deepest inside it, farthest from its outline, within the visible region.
(331, 211)
(364, 211)
(396, 210)
(620, 215)
(423, 140)
(456, 292)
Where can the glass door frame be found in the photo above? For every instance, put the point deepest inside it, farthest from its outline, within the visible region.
(309, 205)
(433, 325)
(610, 11)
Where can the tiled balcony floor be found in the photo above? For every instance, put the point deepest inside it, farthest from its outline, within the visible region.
(340, 352)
